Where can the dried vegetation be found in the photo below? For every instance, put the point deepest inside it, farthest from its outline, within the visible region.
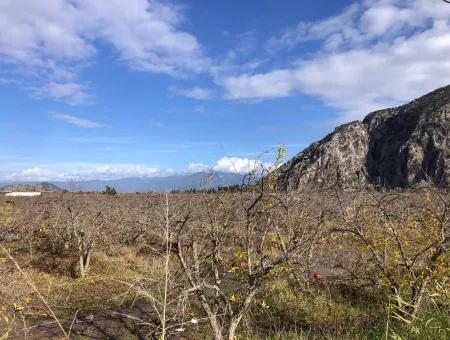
(252, 264)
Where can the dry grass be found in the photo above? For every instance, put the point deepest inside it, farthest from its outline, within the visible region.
(291, 304)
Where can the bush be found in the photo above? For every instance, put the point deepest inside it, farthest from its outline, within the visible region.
(109, 191)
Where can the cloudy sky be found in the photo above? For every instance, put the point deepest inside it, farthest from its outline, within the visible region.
(108, 89)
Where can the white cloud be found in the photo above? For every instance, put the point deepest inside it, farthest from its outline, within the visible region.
(47, 42)
(96, 171)
(81, 122)
(278, 83)
(196, 93)
(81, 171)
(70, 92)
(325, 29)
(146, 35)
(231, 164)
(31, 174)
(375, 54)
(7, 81)
(197, 167)
(240, 165)
(118, 171)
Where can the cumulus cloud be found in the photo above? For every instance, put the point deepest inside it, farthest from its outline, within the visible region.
(375, 54)
(146, 35)
(277, 83)
(117, 171)
(81, 171)
(196, 93)
(81, 122)
(197, 167)
(49, 41)
(70, 92)
(30, 174)
(95, 171)
(320, 30)
(240, 165)
(232, 164)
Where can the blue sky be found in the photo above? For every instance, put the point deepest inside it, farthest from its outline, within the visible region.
(109, 89)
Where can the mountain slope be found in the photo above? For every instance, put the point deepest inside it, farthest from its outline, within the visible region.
(44, 186)
(181, 182)
(396, 147)
(144, 184)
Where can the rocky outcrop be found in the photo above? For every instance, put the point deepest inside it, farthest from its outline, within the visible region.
(392, 148)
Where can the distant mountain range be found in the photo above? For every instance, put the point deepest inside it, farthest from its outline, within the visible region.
(29, 187)
(181, 182)
(391, 148)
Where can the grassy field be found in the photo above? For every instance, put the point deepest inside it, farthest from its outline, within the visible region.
(251, 265)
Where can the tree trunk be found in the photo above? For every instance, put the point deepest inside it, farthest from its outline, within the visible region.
(82, 270)
(217, 331)
(417, 300)
(85, 259)
(238, 316)
(232, 327)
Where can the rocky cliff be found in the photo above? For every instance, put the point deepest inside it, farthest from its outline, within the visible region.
(396, 147)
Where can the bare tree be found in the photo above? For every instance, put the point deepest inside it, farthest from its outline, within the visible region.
(163, 289)
(228, 253)
(80, 222)
(400, 248)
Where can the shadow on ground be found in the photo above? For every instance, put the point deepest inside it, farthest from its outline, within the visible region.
(126, 323)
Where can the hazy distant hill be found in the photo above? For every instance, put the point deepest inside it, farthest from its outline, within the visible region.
(139, 184)
(144, 184)
(43, 187)
(395, 147)
(182, 182)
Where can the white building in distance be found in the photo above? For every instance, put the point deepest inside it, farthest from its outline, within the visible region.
(23, 194)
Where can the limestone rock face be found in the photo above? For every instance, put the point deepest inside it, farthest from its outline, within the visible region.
(392, 148)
